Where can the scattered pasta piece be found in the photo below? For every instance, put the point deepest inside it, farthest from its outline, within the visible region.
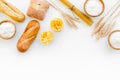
(46, 37)
(56, 24)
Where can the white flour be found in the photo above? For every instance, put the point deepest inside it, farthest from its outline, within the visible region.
(94, 7)
(7, 29)
(115, 39)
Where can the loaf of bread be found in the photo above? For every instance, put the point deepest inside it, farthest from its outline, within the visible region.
(28, 36)
(38, 9)
(11, 11)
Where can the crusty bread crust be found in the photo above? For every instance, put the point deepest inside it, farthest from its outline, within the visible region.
(37, 9)
(11, 11)
(28, 36)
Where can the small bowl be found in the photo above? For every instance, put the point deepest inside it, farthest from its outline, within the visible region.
(110, 37)
(94, 15)
(7, 38)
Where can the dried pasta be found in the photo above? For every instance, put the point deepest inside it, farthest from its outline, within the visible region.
(46, 37)
(56, 24)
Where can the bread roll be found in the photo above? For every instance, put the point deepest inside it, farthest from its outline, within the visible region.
(28, 36)
(38, 9)
(11, 11)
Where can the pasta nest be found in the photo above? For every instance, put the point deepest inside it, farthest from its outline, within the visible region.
(56, 24)
(46, 37)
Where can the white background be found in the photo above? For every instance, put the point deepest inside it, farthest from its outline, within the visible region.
(73, 54)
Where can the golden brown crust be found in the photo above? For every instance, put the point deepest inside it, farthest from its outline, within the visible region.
(28, 36)
(11, 11)
(109, 39)
(38, 9)
(94, 15)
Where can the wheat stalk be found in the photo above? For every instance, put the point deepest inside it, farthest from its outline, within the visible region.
(100, 24)
(108, 27)
(69, 19)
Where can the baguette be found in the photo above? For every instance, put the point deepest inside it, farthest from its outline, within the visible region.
(11, 11)
(28, 36)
